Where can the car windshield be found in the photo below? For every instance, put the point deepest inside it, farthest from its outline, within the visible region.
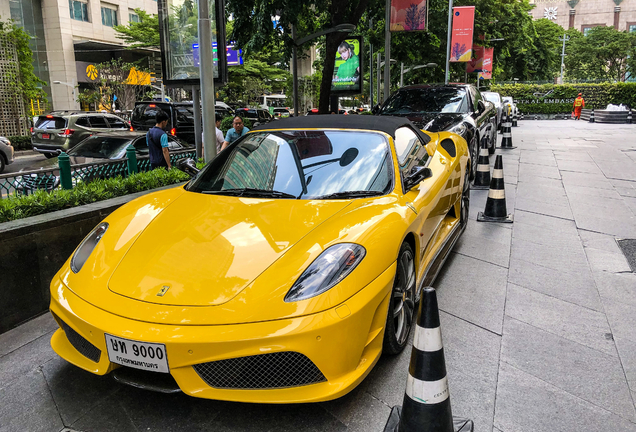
(426, 100)
(302, 165)
(101, 147)
(492, 97)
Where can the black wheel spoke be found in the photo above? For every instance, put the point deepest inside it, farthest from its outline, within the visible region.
(398, 309)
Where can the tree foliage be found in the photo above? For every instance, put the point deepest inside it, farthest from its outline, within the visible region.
(144, 33)
(605, 53)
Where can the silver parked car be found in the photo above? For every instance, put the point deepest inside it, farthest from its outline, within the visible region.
(496, 100)
(6, 153)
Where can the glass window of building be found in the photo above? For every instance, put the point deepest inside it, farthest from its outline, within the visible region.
(79, 10)
(109, 15)
(631, 28)
(133, 17)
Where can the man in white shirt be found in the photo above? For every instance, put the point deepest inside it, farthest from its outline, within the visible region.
(219, 134)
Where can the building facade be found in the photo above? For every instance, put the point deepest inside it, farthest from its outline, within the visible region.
(70, 35)
(586, 14)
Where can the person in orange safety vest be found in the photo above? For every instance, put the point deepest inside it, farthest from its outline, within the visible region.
(579, 104)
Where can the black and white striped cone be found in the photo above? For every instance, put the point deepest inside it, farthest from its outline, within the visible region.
(629, 117)
(426, 406)
(506, 141)
(521, 118)
(495, 210)
(482, 176)
(592, 116)
(536, 117)
(514, 120)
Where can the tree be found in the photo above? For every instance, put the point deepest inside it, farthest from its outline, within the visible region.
(144, 33)
(605, 53)
(254, 31)
(116, 78)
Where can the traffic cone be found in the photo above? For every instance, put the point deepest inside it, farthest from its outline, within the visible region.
(506, 141)
(536, 117)
(495, 210)
(426, 406)
(629, 116)
(482, 176)
(514, 120)
(521, 118)
(592, 116)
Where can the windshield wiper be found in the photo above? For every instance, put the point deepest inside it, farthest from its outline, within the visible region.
(350, 194)
(251, 192)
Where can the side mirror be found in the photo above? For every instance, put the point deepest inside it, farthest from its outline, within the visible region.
(375, 109)
(481, 107)
(417, 175)
(188, 166)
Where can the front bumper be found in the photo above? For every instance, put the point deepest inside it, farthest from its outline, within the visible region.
(344, 343)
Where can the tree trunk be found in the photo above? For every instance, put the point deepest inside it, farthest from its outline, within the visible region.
(333, 40)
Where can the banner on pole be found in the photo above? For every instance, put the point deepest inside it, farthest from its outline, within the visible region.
(486, 72)
(408, 15)
(476, 63)
(462, 35)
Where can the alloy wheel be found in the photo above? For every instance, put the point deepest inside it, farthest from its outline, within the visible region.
(404, 297)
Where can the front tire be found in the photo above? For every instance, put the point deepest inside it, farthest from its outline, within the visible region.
(402, 303)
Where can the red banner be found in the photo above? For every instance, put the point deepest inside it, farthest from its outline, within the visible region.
(476, 63)
(408, 15)
(462, 36)
(487, 64)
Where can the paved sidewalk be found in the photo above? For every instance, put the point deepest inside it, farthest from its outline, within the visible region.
(538, 318)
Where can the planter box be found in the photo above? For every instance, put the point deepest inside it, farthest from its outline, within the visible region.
(33, 249)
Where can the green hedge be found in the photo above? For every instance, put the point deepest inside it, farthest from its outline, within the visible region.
(20, 142)
(534, 98)
(18, 207)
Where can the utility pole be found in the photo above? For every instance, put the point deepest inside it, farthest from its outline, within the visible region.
(401, 74)
(448, 39)
(206, 72)
(564, 40)
(295, 72)
(371, 66)
(379, 76)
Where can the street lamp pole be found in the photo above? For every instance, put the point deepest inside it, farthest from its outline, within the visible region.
(206, 72)
(295, 72)
(387, 49)
(448, 39)
(564, 40)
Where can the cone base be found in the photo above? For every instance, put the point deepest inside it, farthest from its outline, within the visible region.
(476, 187)
(481, 217)
(393, 423)
(507, 148)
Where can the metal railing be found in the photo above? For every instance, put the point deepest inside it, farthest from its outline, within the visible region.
(28, 182)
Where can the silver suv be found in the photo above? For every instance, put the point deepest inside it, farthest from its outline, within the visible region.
(6, 153)
(61, 130)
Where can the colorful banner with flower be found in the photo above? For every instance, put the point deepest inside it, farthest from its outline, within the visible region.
(486, 72)
(462, 36)
(408, 15)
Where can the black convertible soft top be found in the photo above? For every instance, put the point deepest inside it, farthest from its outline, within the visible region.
(387, 124)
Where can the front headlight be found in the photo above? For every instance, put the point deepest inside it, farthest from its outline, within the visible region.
(331, 267)
(459, 129)
(86, 247)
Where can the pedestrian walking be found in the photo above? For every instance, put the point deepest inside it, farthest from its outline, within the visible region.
(219, 133)
(579, 104)
(157, 142)
(236, 132)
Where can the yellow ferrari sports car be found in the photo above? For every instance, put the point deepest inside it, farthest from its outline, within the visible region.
(279, 274)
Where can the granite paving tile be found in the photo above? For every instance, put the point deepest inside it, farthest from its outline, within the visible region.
(579, 166)
(598, 181)
(473, 290)
(528, 404)
(622, 318)
(487, 242)
(25, 333)
(359, 411)
(584, 372)
(528, 172)
(29, 357)
(627, 353)
(568, 320)
(572, 260)
(555, 208)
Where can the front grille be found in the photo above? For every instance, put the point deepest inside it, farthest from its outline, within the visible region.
(264, 371)
(84, 347)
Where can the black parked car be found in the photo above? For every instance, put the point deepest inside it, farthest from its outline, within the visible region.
(256, 116)
(181, 118)
(457, 108)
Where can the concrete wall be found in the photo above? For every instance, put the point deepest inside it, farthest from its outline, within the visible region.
(32, 250)
(588, 12)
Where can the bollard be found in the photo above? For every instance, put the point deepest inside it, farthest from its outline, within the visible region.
(592, 116)
(64, 162)
(426, 406)
(132, 160)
